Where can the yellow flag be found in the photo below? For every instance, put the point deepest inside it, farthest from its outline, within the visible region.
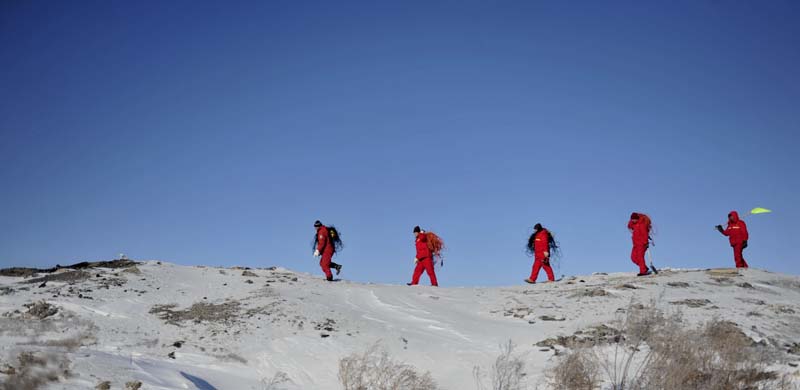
(760, 210)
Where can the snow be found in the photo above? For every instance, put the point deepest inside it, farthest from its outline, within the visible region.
(282, 316)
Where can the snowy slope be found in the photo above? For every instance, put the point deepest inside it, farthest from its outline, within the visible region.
(251, 327)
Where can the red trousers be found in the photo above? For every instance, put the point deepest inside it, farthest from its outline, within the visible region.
(325, 264)
(427, 265)
(538, 263)
(738, 257)
(637, 256)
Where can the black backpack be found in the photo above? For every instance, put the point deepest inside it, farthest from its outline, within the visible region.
(334, 238)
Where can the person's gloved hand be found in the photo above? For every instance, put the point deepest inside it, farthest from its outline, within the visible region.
(316, 253)
(416, 260)
(744, 244)
(719, 227)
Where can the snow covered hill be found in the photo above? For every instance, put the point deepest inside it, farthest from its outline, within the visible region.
(179, 327)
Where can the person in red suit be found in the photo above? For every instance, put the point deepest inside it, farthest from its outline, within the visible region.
(326, 246)
(737, 236)
(424, 258)
(639, 225)
(539, 244)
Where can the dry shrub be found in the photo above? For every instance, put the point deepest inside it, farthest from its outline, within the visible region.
(657, 351)
(575, 370)
(36, 370)
(508, 371)
(375, 370)
(714, 356)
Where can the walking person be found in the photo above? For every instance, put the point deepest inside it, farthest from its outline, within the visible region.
(327, 243)
(423, 259)
(640, 226)
(737, 236)
(541, 245)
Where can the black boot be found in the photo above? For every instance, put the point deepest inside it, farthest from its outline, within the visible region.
(338, 268)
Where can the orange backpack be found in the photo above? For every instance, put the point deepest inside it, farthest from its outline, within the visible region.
(435, 244)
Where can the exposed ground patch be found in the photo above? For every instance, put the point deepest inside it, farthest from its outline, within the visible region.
(596, 335)
(594, 292)
(692, 302)
(24, 272)
(225, 313)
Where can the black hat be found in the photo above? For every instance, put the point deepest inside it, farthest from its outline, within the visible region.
(538, 226)
(634, 216)
(317, 223)
(417, 229)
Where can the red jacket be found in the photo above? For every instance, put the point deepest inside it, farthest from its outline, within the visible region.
(541, 243)
(323, 240)
(422, 247)
(641, 233)
(737, 229)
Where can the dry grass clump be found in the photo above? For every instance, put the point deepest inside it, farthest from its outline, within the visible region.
(374, 369)
(657, 351)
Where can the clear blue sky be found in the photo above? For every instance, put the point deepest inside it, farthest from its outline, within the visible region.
(217, 132)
